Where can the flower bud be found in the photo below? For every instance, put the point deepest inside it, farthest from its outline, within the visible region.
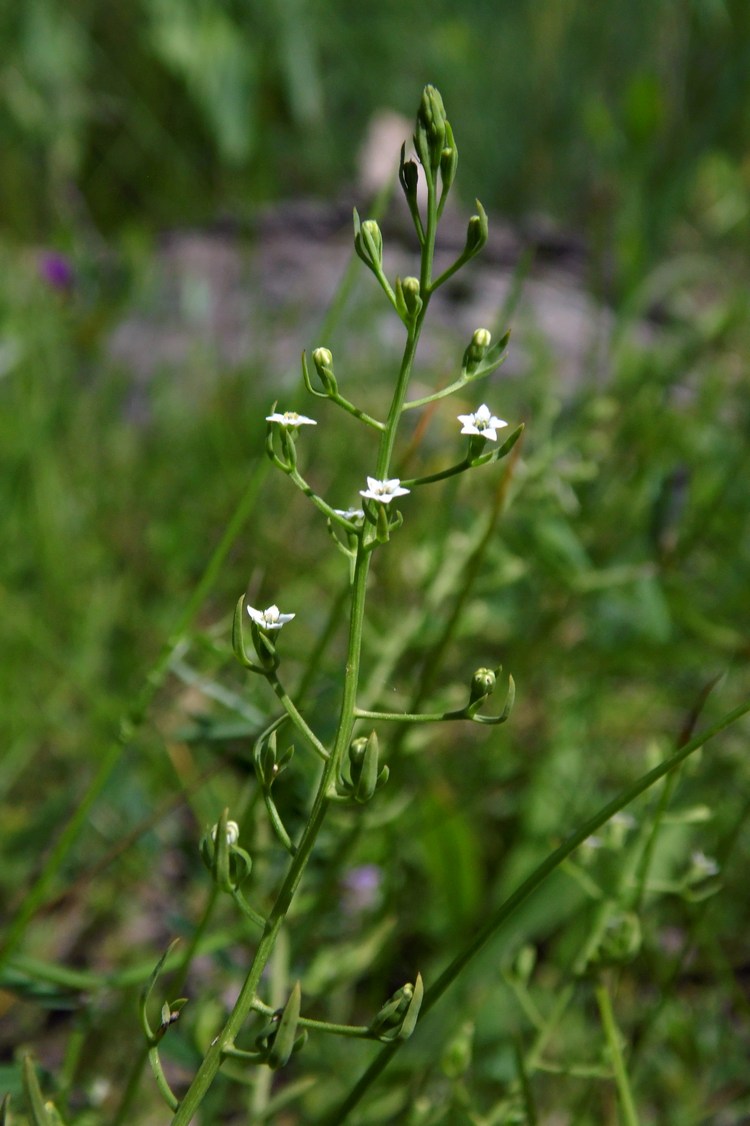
(268, 764)
(232, 832)
(408, 175)
(482, 685)
(408, 301)
(398, 1016)
(429, 137)
(477, 350)
(477, 232)
(323, 360)
(361, 774)
(228, 864)
(280, 1040)
(368, 242)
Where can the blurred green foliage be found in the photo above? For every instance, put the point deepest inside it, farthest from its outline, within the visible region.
(627, 121)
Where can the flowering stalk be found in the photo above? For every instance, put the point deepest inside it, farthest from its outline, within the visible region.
(350, 768)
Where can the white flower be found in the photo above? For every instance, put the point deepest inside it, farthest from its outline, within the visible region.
(233, 832)
(483, 422)
(350, 513)
(290, 420)
(383, 491)
(272, 618)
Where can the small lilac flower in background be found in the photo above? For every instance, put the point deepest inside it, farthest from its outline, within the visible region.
(483, 422)
(272, 618)
(360, 889)
(383, 491)
(290, 420)
(56, 270)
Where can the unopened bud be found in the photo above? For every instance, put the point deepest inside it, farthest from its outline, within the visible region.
(361, 773)
(477, 232)
(477, 350)
(368, 242)
(398, 1016)
(429, 137)
(323, 360)
(482, 684)
(233, 832)
(408, 301)
(409, 177)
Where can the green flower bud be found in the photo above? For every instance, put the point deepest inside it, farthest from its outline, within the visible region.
(429, 137)
(361, 774)
(279, 1040)
(285, 1041)
(482, 685)
(408, 301)
(358, 749)
(170, 1014)
(398, 1016)
(408, 175)
(477, 350)
(323, 360)
(267, 762)
(228, 864)
(368, 242)
(477, 232)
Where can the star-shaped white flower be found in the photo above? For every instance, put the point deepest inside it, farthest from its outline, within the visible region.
(383, 491)
(483, 422)
(290, 420)
(272, 618)
(350, 513)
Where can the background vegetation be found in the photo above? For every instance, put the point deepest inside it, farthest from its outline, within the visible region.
(607, 568)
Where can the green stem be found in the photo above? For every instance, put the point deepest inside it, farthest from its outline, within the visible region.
(296, 718)
(612, 1034)
(413, 331)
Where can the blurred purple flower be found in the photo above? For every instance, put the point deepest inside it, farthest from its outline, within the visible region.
(361, 888)
(56, 270)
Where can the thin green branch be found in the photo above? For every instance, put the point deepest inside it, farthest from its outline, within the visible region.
(614, 1050)
(291, 710)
